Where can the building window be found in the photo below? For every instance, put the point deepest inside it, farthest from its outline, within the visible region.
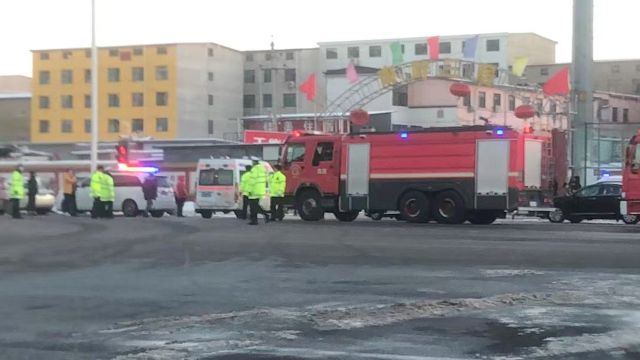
(210, 76)
(614, 114)
(615, 69)
(43, 126)
(400, 96)
(331, 53)
(466, 100)
(67, 55)
(137, 51)
(66, 76)
(290, 75)
(512, 103)
(66, 126)
(87, 126)
(210, 52)
(445, 47)
(162, 98)
(266, 75)
(137, 125)
(113, 74)
(66, 101)
(113, 126)
(625, 115)
(210, 100)
(267, 56)
(553, 108)
(421, 49)
(113, 52)
(162, 73)
(137, 74)
(289, 100)
(267, 100)
(493, 45)
(497, 102)
(44, 77)
(249, 76)
(249, 101)
(440, 114)
(210, 127)
(114, 100)
(43, 102)
(249, 57)
(137, 99)
(482, 99)
(87, 75)
(87, 101)
(375, 51)
(353, 52)
(544, 71)
(162, 125)
(161, 50)
(44, 56)
(289, 55)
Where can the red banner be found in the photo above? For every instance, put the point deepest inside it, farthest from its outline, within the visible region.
(264, 137)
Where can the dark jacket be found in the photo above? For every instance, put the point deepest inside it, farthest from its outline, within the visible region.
(150, 188)
(32, 186)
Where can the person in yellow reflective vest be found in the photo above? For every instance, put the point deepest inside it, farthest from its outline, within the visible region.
(245, 183)
(108, 194)
(96, 193)
(16, 192)
(277, 186)
(257, 190)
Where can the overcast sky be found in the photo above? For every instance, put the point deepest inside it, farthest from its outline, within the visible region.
(249, 24)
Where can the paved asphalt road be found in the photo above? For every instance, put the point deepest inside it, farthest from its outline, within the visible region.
(76, 288)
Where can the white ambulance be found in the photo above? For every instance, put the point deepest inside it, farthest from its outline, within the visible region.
(218, 186)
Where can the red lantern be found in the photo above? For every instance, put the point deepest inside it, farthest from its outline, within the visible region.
(525, 112)
(359, 117)
(460, 90)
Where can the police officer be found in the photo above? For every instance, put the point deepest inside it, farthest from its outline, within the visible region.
(108, 194)
(277, 186)
(16, 193)
(257, 190)
(97, 192)
(245, 185)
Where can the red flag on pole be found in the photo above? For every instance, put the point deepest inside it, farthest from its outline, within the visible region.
(558, 84)
(309, 87)
(434, 47)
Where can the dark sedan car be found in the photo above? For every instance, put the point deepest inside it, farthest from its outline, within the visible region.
(599, 201)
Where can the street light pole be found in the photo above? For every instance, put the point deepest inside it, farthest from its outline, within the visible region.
(94, 90)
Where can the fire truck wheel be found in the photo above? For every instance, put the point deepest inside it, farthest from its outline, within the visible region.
(482, 218)
(415, 207)
(206, 214)
(348, 216)
(630, 219)
(449, 208)
(308, 206)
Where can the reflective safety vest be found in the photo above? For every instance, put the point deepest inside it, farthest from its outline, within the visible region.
(278, 184)
(17, 185)
(245, 183)
(108, 190)
(258, 186)
(96, 184)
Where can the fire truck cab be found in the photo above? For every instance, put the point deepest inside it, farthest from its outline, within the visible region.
(630, 203)
(445, 174)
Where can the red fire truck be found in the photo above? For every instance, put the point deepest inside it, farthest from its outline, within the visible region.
(445, 174)
(630, 203)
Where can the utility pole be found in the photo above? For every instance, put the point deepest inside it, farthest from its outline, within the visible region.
(582, 87)
(94, 90)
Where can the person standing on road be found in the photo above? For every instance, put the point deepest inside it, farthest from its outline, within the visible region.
(181, 194)
(245, 185)
(96, 192)
(257, 190)
(32, 187)
(16, 192)
(108, 194)
(150, 191)
(277, 186)
(69, 185)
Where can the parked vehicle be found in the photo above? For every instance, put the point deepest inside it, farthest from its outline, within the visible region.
(598, 201)
(129, 196)
(45, 198)
(218, 186)
(447, 174)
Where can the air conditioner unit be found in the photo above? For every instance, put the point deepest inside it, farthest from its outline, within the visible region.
(291, 85)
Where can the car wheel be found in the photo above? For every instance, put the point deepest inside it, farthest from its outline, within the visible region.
(308, 206)
(415, 207)
(157, 213)
(630, 219)
(130, 208)
(206, 214)
(556, 216)
(348, 216)
(483, 218)
(449, 208)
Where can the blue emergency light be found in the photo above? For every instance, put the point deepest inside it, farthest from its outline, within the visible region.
(499, 132)
(404, 135)
(142, 169)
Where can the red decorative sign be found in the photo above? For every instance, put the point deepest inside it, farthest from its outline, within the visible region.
(264, 137)
(359, 117)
